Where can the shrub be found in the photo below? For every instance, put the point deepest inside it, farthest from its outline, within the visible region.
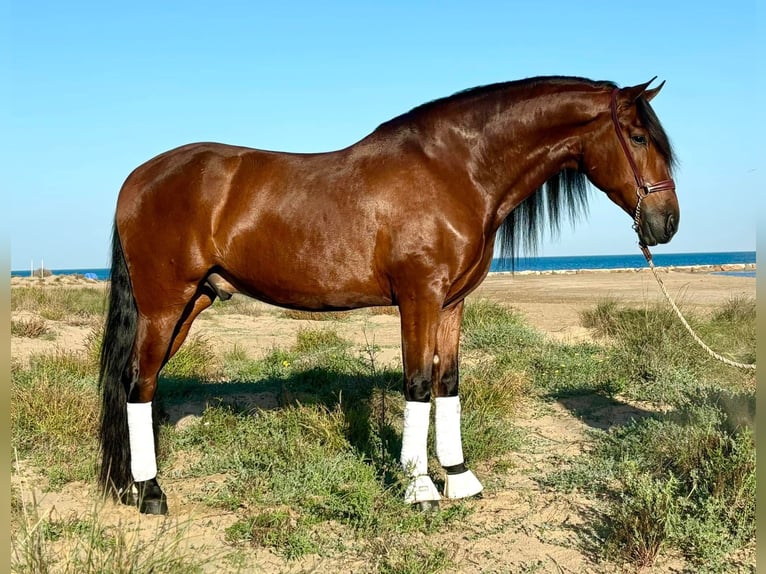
(33, 328)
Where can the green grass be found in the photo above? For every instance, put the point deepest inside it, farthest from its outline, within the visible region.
(687, 480)
(413, 559)
(194, 360)
(329, 454)
(490, 327)
(681, 478)
(652, 357)
(60, 303)
(54, 409)
(318, 340)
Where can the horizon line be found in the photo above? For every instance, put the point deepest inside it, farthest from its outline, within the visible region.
(518, 258)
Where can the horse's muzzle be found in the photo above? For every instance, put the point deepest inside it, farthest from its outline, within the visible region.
(657, 228)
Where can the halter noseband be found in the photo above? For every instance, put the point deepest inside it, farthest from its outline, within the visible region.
(643, 188)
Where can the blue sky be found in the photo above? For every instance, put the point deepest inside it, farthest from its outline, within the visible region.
(95, 89)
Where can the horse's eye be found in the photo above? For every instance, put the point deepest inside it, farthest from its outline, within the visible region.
(640, 140)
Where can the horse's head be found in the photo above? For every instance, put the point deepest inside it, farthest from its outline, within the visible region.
(630, 158)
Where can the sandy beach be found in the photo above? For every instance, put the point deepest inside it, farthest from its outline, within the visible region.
(550, 301)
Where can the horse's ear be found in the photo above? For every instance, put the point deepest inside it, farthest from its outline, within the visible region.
(649, 94)
(631, 94)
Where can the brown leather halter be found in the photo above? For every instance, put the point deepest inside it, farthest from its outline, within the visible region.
(643, 188)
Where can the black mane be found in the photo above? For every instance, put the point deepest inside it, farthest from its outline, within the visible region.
(565, 195)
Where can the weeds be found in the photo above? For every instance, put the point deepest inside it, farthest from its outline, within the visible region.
(421, 559)
(60, 303)
(737, 310)
(683, 479)
(652, 357)
(643, 520)
(318, 340)
(276, 529)
(54, 406)
(492, 328)
(195, 359)
(43, 543)
(33, 328)
(700, 479)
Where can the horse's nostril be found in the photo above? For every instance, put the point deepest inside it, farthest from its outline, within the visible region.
(671, 225)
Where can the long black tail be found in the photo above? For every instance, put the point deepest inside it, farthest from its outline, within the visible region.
(117, 372)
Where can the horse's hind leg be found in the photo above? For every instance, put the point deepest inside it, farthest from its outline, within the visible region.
(460, 482)
(203, 300)
(160, 333)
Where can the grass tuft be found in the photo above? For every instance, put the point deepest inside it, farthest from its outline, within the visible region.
(277, 529)
(54, 407)
(33, 328)
(43, 543)
(652, 356)
(194, 360)
(490, 327)
(60, 303)
(315, 315)
(318, 340)
(643, 520)
(737, 309)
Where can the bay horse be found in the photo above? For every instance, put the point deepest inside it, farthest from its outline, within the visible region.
(407, 216)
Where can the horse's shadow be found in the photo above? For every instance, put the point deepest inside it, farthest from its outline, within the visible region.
(360, 397)
(603, 412)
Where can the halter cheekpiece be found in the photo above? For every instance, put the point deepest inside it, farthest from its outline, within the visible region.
(643, 188)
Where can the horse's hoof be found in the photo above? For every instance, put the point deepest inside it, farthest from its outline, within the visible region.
(463, 485)
(147, 496)
(153, 506)
(421, 489)
(428, 506)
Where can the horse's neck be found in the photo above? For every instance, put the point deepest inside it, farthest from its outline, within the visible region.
(527, 142)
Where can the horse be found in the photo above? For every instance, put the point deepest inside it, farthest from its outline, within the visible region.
(408, 216)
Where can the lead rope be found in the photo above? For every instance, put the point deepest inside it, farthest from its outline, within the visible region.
(643, 189)
(711, 352)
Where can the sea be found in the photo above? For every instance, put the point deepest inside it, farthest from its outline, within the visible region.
(568, 263)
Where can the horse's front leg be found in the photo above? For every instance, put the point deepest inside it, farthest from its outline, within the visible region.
(419, 327)
(459, 482)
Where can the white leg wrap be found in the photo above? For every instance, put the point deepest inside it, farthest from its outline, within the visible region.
(414, 457)
(143, 463)
(415, 453)
(449, 443)
(449, 449)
